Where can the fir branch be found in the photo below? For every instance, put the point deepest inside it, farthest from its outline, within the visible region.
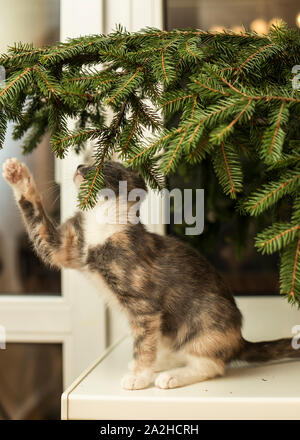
(290, 272)
(3, 126)
(74, 138)
(232, 188)
(163, 65)
(163, 61)
(21, 48)
(220, 92)
(193, 155)
(90, 77)
(125, 84)
(210, 114)
(116, 56)
(170, 162)
(188, 49)
(11, 87)
(88, 201)
(175, 100)
(228, 169)
(214, 88)
(276, 127)
(45, 80)
(194, 107)
(265, 98)
(270, 193)
(274, 136)
(292, 292)
(196, 130)
(253, 55)
(267, 242)
(151, 175)
(132, 131)
(23, 54)
(220, 135)
(154, 145)
(73, 48)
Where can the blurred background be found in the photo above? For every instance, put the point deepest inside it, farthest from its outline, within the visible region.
(237, 15)
(225, 240)
(31, 373)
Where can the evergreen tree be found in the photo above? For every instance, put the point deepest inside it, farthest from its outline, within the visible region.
(223, 96)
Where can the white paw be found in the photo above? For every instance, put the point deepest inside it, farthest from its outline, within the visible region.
(15, 172)
(166, 380)
(135, 381)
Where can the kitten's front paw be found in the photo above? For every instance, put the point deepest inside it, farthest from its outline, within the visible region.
(135, 381)
(15, 172)
(166, 380)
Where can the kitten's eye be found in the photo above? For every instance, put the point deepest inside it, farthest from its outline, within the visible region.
(80, 166)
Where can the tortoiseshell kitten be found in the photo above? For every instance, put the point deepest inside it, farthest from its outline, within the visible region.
(183, 317)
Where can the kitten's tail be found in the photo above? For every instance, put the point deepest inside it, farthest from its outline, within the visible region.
(267, 350)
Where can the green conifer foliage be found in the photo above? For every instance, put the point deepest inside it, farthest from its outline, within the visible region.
(223, 96)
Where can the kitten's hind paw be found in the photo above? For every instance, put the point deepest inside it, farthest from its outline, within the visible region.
(15, 172)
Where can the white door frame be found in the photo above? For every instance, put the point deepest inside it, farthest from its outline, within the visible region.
(76, 319)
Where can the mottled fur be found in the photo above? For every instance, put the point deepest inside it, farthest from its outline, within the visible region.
(175, 301)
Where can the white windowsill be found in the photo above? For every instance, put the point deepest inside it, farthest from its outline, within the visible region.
(250, 392)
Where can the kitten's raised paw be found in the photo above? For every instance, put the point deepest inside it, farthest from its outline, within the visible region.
(166, 380)
(14, 171)
(135, 381)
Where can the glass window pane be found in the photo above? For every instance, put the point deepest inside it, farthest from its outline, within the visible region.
(230, 14)
(30, 381)
(252, 273)
(37, 22)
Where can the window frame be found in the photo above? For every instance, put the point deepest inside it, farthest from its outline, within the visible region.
(77, 318)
